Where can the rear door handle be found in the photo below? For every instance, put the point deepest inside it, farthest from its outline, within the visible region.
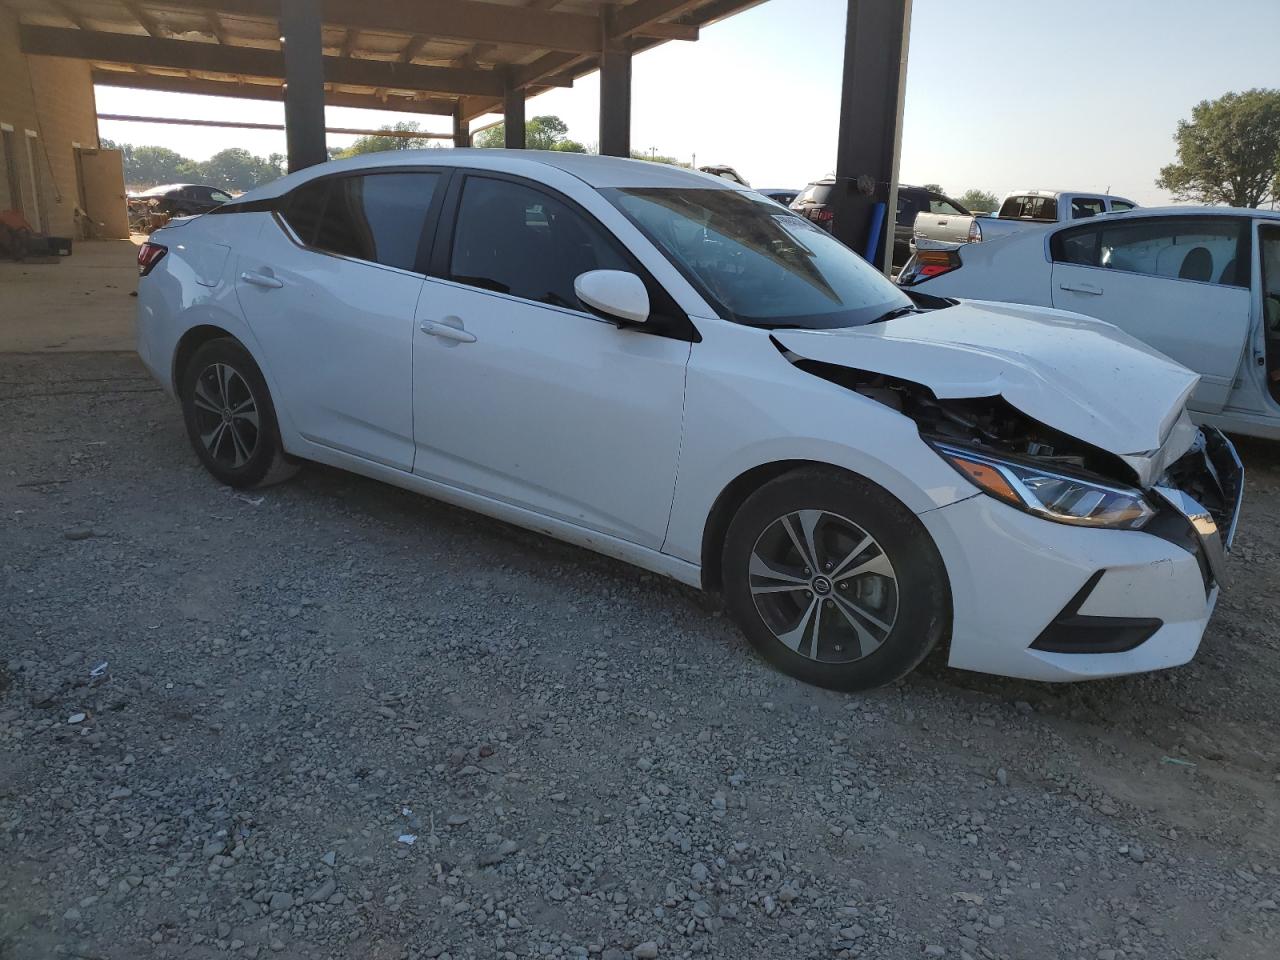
(261, 280)
(446, 331)
(1081, 288)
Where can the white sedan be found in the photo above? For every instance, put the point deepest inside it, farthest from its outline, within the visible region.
(669, 369)
(1200, 284)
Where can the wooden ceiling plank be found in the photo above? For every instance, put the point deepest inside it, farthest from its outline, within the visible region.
(250, 61)
(260, 91)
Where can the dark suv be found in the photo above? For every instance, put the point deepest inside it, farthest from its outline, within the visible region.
(814, 203)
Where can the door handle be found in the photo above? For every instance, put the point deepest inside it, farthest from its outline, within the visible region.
(261, 280)
(1081, 288)
(447, 331)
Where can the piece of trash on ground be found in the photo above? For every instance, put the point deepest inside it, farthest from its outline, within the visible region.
(99, 670)
(1176, 762)
(252, 501)
(76, 718)
(407, 838)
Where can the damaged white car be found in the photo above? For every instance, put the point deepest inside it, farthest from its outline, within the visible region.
(669, 369)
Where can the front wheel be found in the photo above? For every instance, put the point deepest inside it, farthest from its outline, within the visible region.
(230, 418)
(834, 581)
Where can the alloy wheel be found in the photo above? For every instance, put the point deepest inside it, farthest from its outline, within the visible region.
(823, 586)
(226, 415)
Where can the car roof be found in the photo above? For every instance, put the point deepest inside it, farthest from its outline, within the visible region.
(596, 171)
(1186, 211)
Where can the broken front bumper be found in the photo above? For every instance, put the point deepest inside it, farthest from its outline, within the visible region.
(1049, 601)
(1206, 488)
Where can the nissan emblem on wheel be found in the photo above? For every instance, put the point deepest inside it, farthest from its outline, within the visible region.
(665, 367)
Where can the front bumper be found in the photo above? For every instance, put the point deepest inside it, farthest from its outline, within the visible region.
(1049, 601)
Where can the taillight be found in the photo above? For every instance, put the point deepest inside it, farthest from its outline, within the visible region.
(149, 254)
(824, 215)
(927, 264)
(975, 232)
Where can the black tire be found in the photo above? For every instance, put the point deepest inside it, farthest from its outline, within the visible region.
(913, 582)
(222, 373)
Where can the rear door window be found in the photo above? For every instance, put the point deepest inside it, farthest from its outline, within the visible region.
(944, 207)
(815, 193)
(377, 217)
(1120, 206)
(1082, 207)
(1203, 249)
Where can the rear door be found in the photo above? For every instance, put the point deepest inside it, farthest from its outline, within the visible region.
(330, 289)
(1180, 284)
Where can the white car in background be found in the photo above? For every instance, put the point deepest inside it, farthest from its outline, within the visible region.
(667, 368)
(1200, 284)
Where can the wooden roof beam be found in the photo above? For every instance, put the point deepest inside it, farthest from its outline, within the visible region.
(635, 18)
(469, 20)
(251, 61)
(261, 91)
(145, 19)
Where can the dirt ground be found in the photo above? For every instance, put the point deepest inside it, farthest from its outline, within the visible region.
(591, 762)
(79, 303)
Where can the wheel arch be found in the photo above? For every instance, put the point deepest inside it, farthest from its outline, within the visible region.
(191, 341)
(735, 494)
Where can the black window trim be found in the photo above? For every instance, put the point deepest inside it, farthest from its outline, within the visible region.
(671, 322)
(1244, 245)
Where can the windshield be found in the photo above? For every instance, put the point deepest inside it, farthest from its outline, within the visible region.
(759, 264)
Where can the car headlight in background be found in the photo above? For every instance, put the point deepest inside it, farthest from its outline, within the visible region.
(1050, 494)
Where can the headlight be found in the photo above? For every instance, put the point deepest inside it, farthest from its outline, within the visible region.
(1049, 494)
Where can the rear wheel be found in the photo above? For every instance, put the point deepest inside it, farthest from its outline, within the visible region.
(230, 419)
(834, 581)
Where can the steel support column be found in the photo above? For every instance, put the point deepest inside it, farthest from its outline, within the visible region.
(870, 139)
(615, 90)
(513, 118)
(304, 82)
(461, 127)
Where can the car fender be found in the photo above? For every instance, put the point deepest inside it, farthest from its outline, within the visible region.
(795, 417)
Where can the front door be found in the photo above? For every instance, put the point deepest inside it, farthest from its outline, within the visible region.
(330, 290)
(1179, 284)
(523, 396)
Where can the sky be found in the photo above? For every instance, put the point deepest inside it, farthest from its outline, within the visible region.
(1001, 94)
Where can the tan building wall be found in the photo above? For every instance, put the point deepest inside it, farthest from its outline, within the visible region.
(46, 108)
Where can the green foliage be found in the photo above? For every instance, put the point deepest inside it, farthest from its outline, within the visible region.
(237, 169)
(656, 158)
(1229, 152)
(148, 166)
(979, 201)
(376, 144)
(541, 133)
(935, 188)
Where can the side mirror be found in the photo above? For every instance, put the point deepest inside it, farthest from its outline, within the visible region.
(614, 294)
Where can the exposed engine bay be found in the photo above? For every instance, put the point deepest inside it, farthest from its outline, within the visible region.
(984, 423)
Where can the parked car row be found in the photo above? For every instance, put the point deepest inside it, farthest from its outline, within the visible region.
(670, 369)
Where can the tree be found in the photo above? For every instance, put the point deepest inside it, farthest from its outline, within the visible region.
(541, 133)
(934, 188)
(237, 169)
(1229, 152)
(148, 166)
(376, 144)
(979, 201)
(656, 158)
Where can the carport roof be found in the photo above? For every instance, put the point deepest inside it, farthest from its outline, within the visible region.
(413, 57)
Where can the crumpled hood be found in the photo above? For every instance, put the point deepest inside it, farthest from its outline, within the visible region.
(1081, 376)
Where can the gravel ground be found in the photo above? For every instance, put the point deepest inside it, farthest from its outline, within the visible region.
(591, 761)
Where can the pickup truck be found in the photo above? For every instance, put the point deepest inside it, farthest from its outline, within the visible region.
(1018, 211)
